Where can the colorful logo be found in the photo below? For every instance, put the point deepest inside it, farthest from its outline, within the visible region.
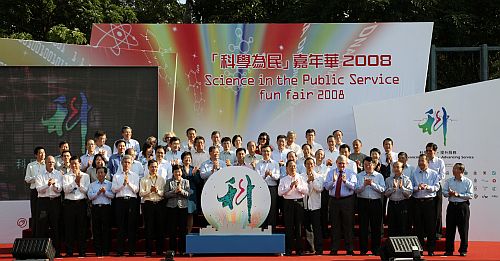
(436, 119)
(69, 112)
(227, 200)
(235, 199)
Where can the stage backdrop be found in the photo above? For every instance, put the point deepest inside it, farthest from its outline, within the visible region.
(248, 78)
(462, 123)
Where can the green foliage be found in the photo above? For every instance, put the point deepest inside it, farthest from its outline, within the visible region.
(456, 22)
(62, 34)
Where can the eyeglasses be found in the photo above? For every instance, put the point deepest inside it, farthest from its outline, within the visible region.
(262, 138)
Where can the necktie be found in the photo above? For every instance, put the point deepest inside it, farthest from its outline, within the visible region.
(387, 159)
(339, 184)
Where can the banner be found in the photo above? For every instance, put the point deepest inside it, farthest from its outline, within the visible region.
(248, 78)
(460, 121)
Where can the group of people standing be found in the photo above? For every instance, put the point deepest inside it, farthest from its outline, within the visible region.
(315, 189)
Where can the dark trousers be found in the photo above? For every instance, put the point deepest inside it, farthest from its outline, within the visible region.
(342, 217)
(397, 215)
(126, 220)
(154, 217)
(177, 228)
(425, 222)
(273, 210)
(33, 205)
(457, 216)
(438, 201)
(312, 224)
(294, 217)
(101, 228)
(49, 212)
(325, 197)
(75, 225)
(370, 219)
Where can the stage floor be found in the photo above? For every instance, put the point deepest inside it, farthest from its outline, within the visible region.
(477, 251)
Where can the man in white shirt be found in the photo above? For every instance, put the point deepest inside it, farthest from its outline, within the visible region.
(437, 164)
(75, 186)
(279, 154)
(269, 170)
(137, 167)
(126, 186)
(100, 144)
(129, 142)
(291, 136)
(174, 155)
(252, 157)
(199, 154)
(346, 151)
(293, 188)
(312, 207)
(338, 135)
(88, 157)
(332, 152)
(34, 169)
(49, 187)
(310, 137)
(215, 137)
(188, 145)
(389, 156)
(63, 145)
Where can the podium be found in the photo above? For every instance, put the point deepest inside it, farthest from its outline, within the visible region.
(235, 201)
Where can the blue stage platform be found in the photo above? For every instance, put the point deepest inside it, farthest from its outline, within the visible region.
(235, 244)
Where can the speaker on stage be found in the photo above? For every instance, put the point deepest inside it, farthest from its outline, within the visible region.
(402, 248)
(33, 248)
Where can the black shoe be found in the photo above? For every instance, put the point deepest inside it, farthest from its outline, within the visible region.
(333, 252)
(430, 253)
(70, 254)
(119, 253)
(160, 253)
(131, 253)
(82, 255)
(300, 253)
(447, 254)
(149, 254)
(318, 253)
(363, 253)
(350, 253)
(287, 254)
(105, 253)
(463, 253)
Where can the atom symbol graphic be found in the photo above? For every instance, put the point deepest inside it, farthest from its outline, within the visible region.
(121, 36)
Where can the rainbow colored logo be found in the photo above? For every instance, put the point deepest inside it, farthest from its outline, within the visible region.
(68, 115)
(436, 119)
(227, 200)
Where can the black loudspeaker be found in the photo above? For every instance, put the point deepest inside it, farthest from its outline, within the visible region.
(33, 248)
(402, 248)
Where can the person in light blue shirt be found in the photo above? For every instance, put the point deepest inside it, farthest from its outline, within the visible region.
(459, 190)
(341, 182)
(227, 155)
(425, 183)
(212, 165)
(369, 189)
(100, 194)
